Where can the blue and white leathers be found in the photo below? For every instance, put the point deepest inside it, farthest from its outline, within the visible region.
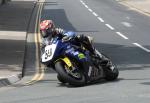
(57, 48)
(69, 34)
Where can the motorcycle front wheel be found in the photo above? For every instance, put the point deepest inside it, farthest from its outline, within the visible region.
(62, 70)
(61, 79)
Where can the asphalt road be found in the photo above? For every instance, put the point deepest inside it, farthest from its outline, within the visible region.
(120, 33)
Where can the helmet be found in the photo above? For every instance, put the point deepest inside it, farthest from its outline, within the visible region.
(47, 28)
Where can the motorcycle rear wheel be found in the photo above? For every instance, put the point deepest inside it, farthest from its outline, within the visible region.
(111, 74)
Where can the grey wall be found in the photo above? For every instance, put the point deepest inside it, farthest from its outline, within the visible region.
(1, 1)
(4, 1)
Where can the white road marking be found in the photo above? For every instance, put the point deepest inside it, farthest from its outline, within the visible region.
(101, 20)
(112, 28)
(140, 46)
(128, 18)
(90, 10)
(86, 6)
(109, 26)
(126, 24)
(81, 1)
(123, 36)
(95, 14)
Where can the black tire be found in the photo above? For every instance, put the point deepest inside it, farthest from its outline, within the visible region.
(111, 74)
(60, 79)
(59, 66)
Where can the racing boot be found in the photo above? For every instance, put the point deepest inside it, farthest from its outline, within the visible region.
(106, 63)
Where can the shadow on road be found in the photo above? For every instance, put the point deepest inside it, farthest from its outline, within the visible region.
(126, 57)
(146, 83)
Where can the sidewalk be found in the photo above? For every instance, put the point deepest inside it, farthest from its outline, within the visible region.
(14, 21)
(140, 5)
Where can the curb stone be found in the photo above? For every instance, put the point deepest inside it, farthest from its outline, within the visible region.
(10, 80)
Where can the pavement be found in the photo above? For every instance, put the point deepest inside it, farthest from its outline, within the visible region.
(138, 5)
(14, 20)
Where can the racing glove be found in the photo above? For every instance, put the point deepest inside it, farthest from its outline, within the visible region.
(59, 31)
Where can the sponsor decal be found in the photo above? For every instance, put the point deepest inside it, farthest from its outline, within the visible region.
(81, 56)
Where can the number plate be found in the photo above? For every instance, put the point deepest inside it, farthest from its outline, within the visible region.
(49, 52)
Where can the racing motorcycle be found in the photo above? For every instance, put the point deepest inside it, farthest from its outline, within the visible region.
(71, 63)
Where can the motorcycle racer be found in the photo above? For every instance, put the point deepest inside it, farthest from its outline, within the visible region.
(48, 31)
